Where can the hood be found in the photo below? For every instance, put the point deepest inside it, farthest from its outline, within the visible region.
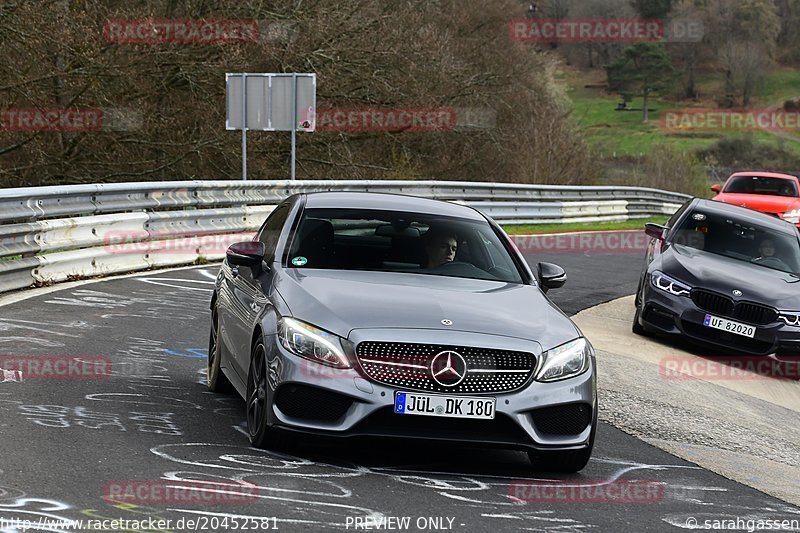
(760, 202)
(342, 301)
(698, 268)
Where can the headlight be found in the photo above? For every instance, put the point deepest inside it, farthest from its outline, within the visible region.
(565, 361)
(791, 318)
(792, 216)
(661, 281)
(312, 343)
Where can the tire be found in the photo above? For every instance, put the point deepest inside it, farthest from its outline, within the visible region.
(260, 433)
(566, 462)
(636, 327)
(217, 382)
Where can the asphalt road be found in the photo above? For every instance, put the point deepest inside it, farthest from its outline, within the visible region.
(68, 445)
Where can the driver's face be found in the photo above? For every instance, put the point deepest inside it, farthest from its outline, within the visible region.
(443, 251)
(767, 248)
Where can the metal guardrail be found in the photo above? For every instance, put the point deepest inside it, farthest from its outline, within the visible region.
(52, 234)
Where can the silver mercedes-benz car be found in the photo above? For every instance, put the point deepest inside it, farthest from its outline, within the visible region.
(363, 314)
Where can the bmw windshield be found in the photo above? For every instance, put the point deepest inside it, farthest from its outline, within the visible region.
(393, 241)
(741, 240)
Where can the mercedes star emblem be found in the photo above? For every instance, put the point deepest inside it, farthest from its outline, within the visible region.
(448, 368)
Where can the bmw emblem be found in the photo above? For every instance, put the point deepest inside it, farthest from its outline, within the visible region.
(447, 322)
(737, 292)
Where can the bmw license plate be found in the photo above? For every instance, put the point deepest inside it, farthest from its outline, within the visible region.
(408, 403)
(729, 325)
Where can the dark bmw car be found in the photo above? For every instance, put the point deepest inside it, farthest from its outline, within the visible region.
(361, 314)
(723, 275)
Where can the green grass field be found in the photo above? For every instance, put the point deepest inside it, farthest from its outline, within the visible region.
(780, 86)
(621, 133)
(529, 229)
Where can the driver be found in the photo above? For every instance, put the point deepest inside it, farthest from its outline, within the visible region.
(766, 248)
(440, 247)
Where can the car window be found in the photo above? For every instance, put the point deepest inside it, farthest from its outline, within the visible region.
(496, 254)
(739, 239)
(762, 185)
(675, 216)
(271, 229)
(393, 241)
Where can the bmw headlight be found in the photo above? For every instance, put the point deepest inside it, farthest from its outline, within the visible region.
(790, 318)
(310, 342)
(792, 216)
(659, 280)
(565, 361)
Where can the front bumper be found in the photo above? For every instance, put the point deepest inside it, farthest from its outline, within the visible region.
(312, 398)
(678, 315)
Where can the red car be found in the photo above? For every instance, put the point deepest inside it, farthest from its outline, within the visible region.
(768, 192)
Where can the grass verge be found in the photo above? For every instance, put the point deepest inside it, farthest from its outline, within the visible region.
(530, 229)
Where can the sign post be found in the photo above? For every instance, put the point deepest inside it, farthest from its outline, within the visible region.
(270, 102)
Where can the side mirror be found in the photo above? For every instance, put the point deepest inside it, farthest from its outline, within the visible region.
(716, 188)
(655, 230)
(551, 276)
(247, 253)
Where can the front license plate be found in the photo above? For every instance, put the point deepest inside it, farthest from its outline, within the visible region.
(730, 326)
(409, 403)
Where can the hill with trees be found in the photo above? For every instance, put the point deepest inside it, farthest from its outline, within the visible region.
(547, 112)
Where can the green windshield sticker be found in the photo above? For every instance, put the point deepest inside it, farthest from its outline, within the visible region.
(299, 261)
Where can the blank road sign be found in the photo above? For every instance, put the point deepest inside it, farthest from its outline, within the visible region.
(269, 102)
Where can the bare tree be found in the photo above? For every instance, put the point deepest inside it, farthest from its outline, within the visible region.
(745, 33)
(689, 54)
(746, 64)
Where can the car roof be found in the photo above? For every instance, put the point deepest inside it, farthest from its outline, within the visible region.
(750, 215)
(389, 202)
(765, 175)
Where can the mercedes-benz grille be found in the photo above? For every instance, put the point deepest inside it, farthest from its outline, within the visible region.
(443, 368)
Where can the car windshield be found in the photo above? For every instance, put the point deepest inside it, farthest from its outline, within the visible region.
(394, 241)
(739, 239)
(762, 185)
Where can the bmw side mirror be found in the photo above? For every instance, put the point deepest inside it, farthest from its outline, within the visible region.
(551, 276)
(655, 230)
(716, 187)
(247, 253)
